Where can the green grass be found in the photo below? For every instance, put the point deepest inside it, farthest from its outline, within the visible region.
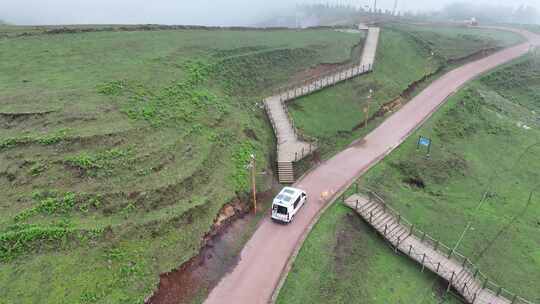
(344, 261)
(451, 43)
(486, 145)
(115, 150)
(478, 138)
(401, 60)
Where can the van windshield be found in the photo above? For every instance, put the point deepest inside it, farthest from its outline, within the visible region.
(280, 209)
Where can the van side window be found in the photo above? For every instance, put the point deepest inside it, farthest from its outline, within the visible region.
(296, 202)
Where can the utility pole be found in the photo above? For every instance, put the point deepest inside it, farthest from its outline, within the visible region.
(253, 183)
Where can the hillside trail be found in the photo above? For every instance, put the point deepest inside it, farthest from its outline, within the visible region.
(268, 255)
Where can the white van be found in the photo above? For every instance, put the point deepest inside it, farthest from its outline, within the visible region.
(287, 203)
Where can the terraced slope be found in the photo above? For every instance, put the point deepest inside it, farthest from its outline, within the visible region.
(118, 149)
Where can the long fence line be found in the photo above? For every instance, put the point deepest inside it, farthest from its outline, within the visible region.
(321, 81)
(292, 145)
(460, 273)
(306, 87)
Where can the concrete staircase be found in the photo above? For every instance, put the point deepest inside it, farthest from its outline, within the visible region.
(291, 147)
(286, 172)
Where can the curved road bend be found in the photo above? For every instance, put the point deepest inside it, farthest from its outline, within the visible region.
(266, 254)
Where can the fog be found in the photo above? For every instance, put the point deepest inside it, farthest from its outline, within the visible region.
(200, 12)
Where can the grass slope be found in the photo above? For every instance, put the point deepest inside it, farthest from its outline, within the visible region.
(117, 150)
(479, 135)
(405, 55)
(343, 261)
(483, 169)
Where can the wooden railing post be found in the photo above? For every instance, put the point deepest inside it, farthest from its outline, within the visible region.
(356, 205)
(463, 288)
(450, 282)
(385, 229)
(411, 230)
(499, 291)
(423, 260)
(371, 217)
(410, 250)
(514, 298)
(423, 237)
(438, 266)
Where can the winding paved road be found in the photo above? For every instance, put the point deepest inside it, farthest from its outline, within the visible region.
(267, 253)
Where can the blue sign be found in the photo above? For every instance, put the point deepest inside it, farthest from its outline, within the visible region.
(424, 141)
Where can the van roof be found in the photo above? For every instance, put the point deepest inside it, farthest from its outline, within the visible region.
(287, 195)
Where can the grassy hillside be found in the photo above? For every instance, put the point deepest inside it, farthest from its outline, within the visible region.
(343, 261)
(452, 43)
(483, 167)
(406, 54)
(118, 149)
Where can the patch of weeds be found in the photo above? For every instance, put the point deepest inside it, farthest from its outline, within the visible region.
(54, 138)
(14, 141)
(115, 254)
(38, 168)
(55, 203)
(143, 172)
(90, 163)
(130, 270)
(112, 88)
(252, 73)
(241, 158)
(89, 297)
(83, 161)
(129, 208)
(50, 205)
(20, 239)
(463, 120)
(421, 173)
(50, 139)
(16, 242)
(183, 102)
(197, 71)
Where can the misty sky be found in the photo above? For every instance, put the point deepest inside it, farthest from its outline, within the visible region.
(207, 12)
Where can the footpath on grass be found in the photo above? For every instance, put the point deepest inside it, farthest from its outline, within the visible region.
(267, 256)
(290, 146)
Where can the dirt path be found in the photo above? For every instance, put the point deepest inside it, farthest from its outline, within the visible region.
(268, 253)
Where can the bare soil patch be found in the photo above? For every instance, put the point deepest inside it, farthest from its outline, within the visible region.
(218, 256)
